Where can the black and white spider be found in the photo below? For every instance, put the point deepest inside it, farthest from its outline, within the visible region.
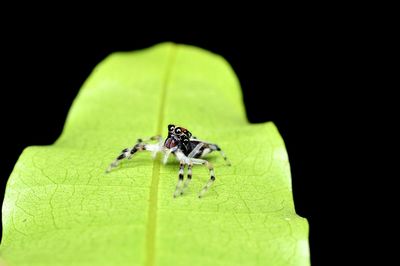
(187, 149)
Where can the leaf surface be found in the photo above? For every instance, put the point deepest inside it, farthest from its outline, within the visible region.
(60, 207)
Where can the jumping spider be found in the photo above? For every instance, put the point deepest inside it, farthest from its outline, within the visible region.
(187, 149)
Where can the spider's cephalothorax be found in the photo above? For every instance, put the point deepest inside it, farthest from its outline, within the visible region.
(187, 149)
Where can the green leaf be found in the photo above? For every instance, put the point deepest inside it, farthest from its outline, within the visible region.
(60, 207)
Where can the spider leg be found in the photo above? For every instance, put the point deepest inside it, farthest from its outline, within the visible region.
(215, 147)
(126, 153)
(167, 153)
(189, 177)
(139, 146)
(194, 152)
(212, 175)
(158, 138)
(180, 179)
(190, 165)
(206, 148)
(166, 156)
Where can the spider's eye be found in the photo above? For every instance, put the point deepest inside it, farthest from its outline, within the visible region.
(171, 127)
(185, 140)
(178, 130)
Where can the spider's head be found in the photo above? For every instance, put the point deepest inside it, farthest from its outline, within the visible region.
(176, 134)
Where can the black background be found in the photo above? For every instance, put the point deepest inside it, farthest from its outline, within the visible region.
(290, 74)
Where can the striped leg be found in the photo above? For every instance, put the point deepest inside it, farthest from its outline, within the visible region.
(180, 179)
(215, 147)
(212, 175)
(126, 153)
(189, 177)
(129, 152)
(204, 148)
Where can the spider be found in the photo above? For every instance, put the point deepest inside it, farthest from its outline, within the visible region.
(187, 149)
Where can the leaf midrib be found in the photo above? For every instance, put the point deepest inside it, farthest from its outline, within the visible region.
(153, 197)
